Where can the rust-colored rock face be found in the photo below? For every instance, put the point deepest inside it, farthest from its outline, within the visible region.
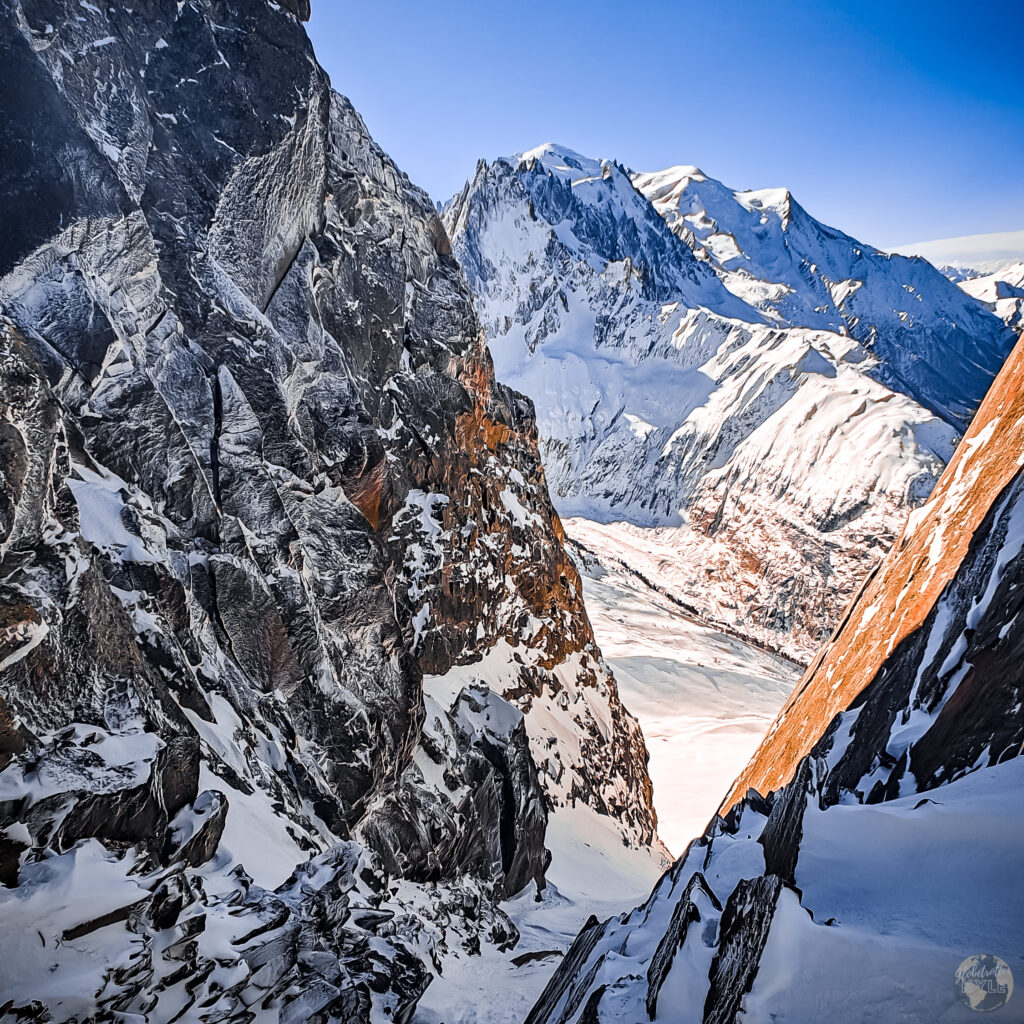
(486, 516)
(367, 492)
(896, 600)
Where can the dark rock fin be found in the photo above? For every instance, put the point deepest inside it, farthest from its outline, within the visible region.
(589, 1014)
(300, 8)
(784, 829)
(743, 933)
(576, 956)
(685, 913)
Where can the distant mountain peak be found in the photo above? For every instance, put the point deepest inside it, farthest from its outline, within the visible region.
(560, 160)
(706, 359)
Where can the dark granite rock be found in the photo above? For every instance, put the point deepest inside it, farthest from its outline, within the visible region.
(743, 932)
(256, 479)
(685, 913)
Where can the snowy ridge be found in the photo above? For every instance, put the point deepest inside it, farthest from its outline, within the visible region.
(930, 344)
(772, 414)
(1002, 291)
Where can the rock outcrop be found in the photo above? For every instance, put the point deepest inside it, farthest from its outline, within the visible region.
(887, 846)
(256, 480)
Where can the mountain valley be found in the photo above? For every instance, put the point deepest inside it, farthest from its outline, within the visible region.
(766, 394)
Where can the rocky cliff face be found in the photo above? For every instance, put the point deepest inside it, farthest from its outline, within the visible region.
(908, 593)
(256, 480)
(765, 397)
(887, 845)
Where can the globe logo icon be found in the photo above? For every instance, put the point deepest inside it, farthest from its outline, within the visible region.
(983, 982)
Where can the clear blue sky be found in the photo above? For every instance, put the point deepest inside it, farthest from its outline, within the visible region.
(895, 120)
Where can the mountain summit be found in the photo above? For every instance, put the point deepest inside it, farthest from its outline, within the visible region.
(768, 393)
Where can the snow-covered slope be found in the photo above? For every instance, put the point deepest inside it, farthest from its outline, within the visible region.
(930, 343)
(672, 390)
(704, 699)
(1002, 291)
(294, 666)
(592, 874)
(887, 849)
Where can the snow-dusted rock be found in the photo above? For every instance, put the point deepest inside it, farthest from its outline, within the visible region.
(256, 479)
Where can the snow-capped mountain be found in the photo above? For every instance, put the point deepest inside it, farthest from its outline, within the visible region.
(1001, 291)
(873, 843)
(768, 394)
(295, 673)
(929, 343)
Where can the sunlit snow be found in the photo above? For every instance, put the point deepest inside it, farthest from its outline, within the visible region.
(703, 698)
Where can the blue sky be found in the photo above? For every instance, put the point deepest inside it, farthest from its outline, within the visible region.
(895, 120)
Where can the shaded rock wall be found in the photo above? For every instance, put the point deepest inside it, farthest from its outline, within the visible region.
(256, 478)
